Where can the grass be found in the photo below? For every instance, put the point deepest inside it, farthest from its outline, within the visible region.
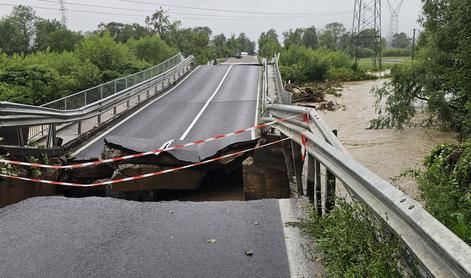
(352, 245)
(388, 62)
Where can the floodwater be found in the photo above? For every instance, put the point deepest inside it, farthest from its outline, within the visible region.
(386, 152)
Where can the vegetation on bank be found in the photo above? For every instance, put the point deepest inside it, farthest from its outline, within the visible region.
(41, 60)
(445, 184)
(301, 65)
(440, 77)
(351, 244)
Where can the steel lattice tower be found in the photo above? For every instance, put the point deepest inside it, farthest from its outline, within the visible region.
(366, 28)
(62, 11)
(394, 20)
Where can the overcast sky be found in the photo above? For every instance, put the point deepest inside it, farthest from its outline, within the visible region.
(298, 13)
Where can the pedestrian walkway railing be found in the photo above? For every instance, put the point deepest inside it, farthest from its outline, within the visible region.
(93, 102)
(430, 247)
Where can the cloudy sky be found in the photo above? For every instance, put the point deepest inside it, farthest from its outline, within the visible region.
(222, 16)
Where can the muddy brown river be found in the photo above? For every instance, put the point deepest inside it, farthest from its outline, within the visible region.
(385, 151)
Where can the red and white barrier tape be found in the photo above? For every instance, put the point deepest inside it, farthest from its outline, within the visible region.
(236, 154)
(98, 162)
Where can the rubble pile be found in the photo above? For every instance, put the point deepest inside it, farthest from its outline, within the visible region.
(313, 96)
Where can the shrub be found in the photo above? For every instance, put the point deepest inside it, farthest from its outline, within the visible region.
(151, 49)
(301, 65)
(352, 245)
(397, 52)
(446, 187)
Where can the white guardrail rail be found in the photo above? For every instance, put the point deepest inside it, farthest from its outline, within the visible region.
(93, 102)
(433, 249)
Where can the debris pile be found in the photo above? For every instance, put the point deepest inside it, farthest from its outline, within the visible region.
(314, 96)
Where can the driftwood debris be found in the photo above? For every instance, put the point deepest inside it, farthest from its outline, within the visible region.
(306, 96)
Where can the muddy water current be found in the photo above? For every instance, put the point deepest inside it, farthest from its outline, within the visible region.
(385, 151)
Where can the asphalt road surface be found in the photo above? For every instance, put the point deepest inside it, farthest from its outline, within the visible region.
(102, 237)
(212, 100)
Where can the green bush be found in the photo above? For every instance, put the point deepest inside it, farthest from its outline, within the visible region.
(45, 76)
(301, 65)
(352, 245)
(151, 49)
(445, 185)
(397, 52)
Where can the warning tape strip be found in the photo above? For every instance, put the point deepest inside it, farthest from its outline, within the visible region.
(116, 159)
(135, 178)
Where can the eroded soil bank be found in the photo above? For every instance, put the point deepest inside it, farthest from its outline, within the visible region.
(385, 151)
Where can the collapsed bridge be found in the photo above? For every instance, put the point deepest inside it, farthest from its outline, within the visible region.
(212, 100)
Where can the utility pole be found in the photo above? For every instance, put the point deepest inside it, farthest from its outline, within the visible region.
(366, 29)
(413, 45)
(62, 11)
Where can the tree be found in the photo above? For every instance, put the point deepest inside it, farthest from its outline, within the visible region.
(159, 23)
(401, 40)
(51, 35)
(151, 49)
(293, 37)
(17, 30)
(306, 37)
(331, 35)
(112, 58)
(441, 74)
(310, 39)
(268, 44)
(124, 32)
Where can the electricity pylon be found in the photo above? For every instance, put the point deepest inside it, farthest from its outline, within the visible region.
(62, 11)
(366, 29)
(394, 19)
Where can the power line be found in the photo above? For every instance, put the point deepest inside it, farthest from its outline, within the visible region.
(217, 10)
(190, 14)
(140, 10)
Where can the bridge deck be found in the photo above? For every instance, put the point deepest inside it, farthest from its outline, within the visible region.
(100, 237)
(210, 101)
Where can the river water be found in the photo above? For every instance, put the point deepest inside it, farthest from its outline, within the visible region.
(384, 151)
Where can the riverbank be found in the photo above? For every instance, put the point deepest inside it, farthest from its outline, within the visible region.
(386, 152)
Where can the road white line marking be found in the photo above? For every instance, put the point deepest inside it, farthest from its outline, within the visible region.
(133, 114)
(205, 106)
(166, 144)
(257, 107)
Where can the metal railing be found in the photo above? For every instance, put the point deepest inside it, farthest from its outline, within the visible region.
(283, 96)
(92, 102)
(436, 251)
(94, 94)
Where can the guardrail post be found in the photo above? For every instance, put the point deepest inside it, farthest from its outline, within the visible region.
(127, 104)
(115, 110)
(298, 167)
(330, 186)
(311, 183)
(99, 118)
(148, 95)
(138, 98)
(51, 136)
(288, 157)
(79, 127)
(318, 187)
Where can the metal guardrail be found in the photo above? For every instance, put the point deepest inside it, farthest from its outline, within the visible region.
(437, 251)
(50, 115)
(283, 96)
